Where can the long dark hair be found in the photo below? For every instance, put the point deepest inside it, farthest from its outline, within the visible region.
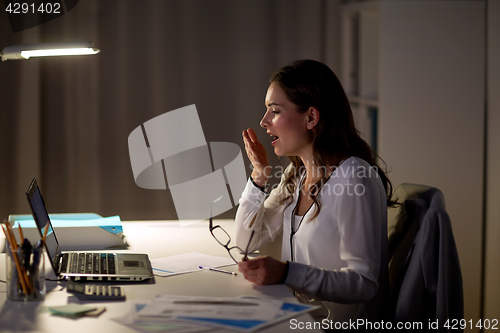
(309, 83)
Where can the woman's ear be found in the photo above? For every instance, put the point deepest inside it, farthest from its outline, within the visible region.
(312, 117)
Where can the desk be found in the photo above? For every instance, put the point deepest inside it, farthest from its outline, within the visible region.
(158, 239)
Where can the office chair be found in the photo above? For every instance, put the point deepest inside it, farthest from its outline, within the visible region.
(424, 269)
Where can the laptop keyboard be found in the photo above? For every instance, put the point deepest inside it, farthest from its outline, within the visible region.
(89, 263)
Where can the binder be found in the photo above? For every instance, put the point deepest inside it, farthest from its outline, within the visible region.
(76, 231)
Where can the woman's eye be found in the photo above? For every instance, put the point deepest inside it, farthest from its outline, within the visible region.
(275, 112)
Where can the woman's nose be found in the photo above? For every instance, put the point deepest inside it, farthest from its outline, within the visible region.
(264, 122)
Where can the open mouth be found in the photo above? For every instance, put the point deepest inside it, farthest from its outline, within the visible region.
(275, 138)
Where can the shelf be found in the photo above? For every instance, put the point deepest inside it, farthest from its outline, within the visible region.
(363, 101)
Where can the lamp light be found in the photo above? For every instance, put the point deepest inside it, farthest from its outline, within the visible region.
(26, 51)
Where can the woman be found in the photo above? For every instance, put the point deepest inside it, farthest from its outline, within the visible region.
(331, 203)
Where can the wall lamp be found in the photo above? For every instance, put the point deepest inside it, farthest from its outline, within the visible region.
(26, 51)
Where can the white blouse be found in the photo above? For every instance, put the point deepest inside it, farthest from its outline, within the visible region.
(340, 257)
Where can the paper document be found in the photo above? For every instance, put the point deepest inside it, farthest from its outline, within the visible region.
(149, 325)
(245, 314)
(186, 263)
(212, 307)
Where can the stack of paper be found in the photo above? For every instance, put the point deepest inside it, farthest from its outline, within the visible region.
(245, 314)
(157, 325)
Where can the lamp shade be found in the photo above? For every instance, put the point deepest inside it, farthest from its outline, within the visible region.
(26, 51)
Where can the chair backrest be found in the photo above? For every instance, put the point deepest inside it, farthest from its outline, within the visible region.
(418, 230)
(404, 222)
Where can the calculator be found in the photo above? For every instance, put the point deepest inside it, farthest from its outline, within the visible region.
(98, 292)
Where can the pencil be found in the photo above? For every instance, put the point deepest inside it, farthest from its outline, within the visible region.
(16, 261)
(45, 233)
(11, 234)
(21, 232)
(24, 274)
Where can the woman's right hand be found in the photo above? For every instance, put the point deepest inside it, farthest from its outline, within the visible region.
(258, 157)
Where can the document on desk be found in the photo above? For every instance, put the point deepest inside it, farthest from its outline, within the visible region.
(149, 324)
(245, 314)
(186, 263)
(212, 307)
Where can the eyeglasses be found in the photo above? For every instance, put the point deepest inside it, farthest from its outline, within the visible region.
(223, 238)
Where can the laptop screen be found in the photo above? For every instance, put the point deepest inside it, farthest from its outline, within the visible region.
(42, 218)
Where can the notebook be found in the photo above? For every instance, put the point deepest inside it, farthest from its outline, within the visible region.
(103, 266)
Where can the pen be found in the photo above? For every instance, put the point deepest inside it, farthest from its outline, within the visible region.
(217, 270)
(245, 257)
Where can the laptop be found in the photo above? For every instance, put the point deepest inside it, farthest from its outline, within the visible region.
(88, 265)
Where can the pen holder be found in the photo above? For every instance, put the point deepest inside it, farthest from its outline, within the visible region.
(25, 272)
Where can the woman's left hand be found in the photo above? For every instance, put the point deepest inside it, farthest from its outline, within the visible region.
(263, 270)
